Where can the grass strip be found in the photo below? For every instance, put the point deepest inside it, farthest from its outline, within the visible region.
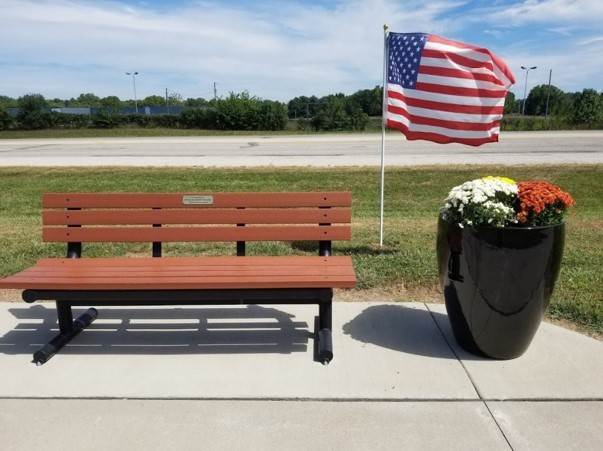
(404, 270)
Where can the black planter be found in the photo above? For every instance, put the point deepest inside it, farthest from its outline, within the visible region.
(497, 283)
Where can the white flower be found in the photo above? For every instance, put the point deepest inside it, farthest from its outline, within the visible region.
(482, 201)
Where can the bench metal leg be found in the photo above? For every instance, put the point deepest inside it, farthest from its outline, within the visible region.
(324, 334)
(68, 329)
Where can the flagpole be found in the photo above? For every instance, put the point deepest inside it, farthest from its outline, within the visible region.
(383, 115)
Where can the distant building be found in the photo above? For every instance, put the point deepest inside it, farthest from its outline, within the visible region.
(87, 111)
(150, 110)
(73, 110)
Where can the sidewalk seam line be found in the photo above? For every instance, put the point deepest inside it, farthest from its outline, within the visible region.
(469, 377)
(294, 399)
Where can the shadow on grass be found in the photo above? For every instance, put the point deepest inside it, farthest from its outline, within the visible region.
(367, 250)
(247, 330)
(411, 330)
(364, 249)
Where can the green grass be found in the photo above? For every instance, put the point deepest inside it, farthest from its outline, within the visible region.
(406, 269)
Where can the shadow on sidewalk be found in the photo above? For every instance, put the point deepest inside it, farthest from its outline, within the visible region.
(400, 328)
(245, 330)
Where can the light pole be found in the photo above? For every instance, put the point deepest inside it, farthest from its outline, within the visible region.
(548, 95)
(525, 88)
(134, 74)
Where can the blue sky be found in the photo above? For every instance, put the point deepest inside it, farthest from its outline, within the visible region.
(274, 49)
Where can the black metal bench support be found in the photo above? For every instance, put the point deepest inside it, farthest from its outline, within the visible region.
(68, 298)
(325, 327)
(68, 329)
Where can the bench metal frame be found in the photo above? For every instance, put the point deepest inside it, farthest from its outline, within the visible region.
(69, 328)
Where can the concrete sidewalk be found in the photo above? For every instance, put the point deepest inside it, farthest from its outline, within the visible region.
(194, 375)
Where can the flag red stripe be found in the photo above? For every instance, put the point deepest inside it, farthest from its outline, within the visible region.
(438, 138)
(502, 66)
(461, 45)
(451, 107)
(456, 73)
(456, 91)
(463, 61)
(454, 125)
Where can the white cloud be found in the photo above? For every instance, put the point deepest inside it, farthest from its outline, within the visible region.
(273, 49)
(575, 58)
(549, 11)
(277, 50)
(592, 40)
(572, 70)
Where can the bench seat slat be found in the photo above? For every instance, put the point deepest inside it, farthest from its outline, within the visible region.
(214, 216)
(186, 272)
(207, 284)
(175, 200)
(190, 234)
(224, 260)
(319, 273)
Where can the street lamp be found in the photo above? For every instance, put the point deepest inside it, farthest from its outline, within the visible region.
(134, 74)
(525, 88)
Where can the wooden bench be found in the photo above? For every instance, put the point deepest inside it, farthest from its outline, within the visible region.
(75, 218)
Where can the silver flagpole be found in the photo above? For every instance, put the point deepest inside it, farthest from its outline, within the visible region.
(383, 111)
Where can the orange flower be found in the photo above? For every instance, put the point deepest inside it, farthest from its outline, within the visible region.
(535, 196)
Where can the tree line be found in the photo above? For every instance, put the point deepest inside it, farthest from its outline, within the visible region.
(245, 112)
(234, 112)
(578, 107)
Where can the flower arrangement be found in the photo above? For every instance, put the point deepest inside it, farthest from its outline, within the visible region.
(502, 202)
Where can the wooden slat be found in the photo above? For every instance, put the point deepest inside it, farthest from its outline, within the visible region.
(187, 272)
(65, 274)
(213, 216)
(175, 200)
(123, 262)
(185, 283)
(188, 234)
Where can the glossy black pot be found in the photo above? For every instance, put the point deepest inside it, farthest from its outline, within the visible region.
(497, 283)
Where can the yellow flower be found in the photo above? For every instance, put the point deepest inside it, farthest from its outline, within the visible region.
(501, 179)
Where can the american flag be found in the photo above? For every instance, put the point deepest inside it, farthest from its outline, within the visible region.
(444, 91)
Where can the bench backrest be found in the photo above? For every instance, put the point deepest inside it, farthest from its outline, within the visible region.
(187, 217)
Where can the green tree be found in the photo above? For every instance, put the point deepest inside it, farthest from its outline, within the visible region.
(509, 103)
(55, 103)
(357, 119)
(175, 98)
(33, 112)
(8, 102)
(237, 112)
(203, 118)
(587, 107)
(303, 106)
(332, 114)
(110, 103)
(559, 102)
(153, 101)
(369, 101)
(273, 115)
(32, 103)
(86, 100)
(104, 119)
(195, 103)
(5, 120)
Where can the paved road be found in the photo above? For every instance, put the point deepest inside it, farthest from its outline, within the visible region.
(313, 150)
